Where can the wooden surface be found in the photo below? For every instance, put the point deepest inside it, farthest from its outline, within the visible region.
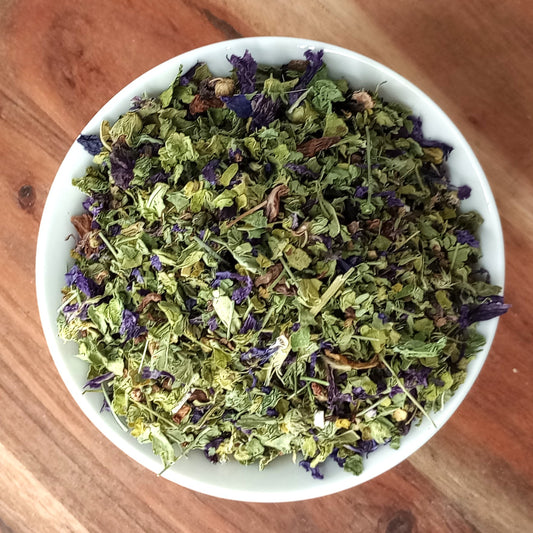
(60, 61)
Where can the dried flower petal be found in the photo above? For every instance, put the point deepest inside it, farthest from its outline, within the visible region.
(91, 143)
(313, 146)
(245, 68)
(273, 201)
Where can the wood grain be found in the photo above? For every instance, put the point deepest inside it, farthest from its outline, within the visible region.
(61, 61)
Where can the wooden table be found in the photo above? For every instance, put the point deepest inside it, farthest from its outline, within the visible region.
(60, 61)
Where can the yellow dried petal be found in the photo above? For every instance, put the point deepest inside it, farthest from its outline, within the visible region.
(342, 423)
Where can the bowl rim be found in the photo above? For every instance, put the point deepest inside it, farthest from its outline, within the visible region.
(50, 330)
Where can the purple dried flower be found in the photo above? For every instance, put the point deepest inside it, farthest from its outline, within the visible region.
(159, 177)
(86, 285)
(198, 413)
(335, 456)
(264, 111)
(491, 308)
(392, 199)
(212, 323)
(148, 373)
(361, 191)
(97, 382)
(266, 389)
(254, 380)
(336, 400)
(83, 313)
(314, 62)
(364, 447)
(137, 275)
(239, 104)
(196, 320)
(129, 326)
(227, 212)
(186, 78)
(210, 449)
(395, 390)
(87, 203)
(465, 237)
(295, 326)
(383, 317)
(360, 394)
(418, 136)
(70, 308)
(343, 265)
(327, 240)
(91, 143)
(122, 159)
(315, 472)
(190, 303)
(94, 205)
(105, 407)
(245, 68)
(301, 170)
(114, 229)
(201, 234)
(156, 262)
(463, 192)
(240, 294)
(271, 411)
(250, 323)
(412, 377)
(312, 363)
(235, 156)
(262, 355)
(176, 228)
(208, 172)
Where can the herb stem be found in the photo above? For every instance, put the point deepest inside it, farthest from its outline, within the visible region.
(209, 250)
(144, 354)
(375, 404)
(368, 162)
(288, 270)
(109, 246)
(246, 213)
(315, 380)
(158, 416)
(117, 419)
(454, 257)
(331, 291)
(276, 281)
(408, 394)
(398, 246)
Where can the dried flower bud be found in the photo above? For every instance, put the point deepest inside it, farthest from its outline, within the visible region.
(363, 99)
(399, 415)
(319, 392)
(137, 395)
(224, 87)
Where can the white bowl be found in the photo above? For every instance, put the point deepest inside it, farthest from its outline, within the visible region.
(282, 480)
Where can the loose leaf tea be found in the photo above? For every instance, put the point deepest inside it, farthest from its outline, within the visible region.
(273, 263)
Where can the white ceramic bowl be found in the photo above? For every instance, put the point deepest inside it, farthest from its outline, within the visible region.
(282, 480)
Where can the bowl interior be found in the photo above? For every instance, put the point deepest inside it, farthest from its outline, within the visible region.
(282, 480)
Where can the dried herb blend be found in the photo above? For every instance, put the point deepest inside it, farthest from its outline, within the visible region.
(273, 263)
